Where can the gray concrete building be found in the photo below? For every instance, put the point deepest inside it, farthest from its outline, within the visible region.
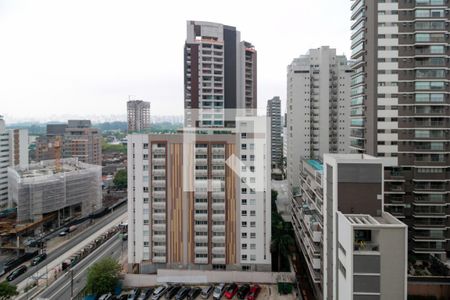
(318, 98)
(274, 113)
(399, 111)
(138, 115)
(353, 249)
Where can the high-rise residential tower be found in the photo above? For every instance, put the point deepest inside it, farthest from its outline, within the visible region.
(399, 110)
(200, 201)
(219, 74)
(82, 141)
(274, 114)
(138, 113)
(318, 93)
(352, 248)
(13, 152)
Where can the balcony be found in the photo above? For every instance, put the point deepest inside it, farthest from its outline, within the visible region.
(365, 247)
(201, 217)
(218, 239)
(218, 250)
(201, 238)
(159, 238)
(159, 172)
(159, 249)
(201, 228)
(201, 205)
(218, 228)
(201, 250)
(159, 216)
(159, 227)
(201, 260)
(159, 183)
(218, 206)
(159, 194)
(159, 259)
(218, 261)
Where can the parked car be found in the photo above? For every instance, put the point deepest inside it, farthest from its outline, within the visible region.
(218, 291)
(194, 293)
(106, 297)
(254, 291)
(134, 294)
(231, 290)
(207, 291)
(159, 292)
(172, 291)
(38, 259)
(182, 293)
(243, 291)
(146, 293)
(16, 273)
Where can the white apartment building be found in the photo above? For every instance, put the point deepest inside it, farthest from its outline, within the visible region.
(352, 248)
(200, 200)
(318, 98)
(13, 152)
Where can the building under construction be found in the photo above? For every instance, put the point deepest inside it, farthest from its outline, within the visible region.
(66, 188)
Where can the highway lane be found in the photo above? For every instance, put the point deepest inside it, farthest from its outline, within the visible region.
(62, 288)
(76, 240)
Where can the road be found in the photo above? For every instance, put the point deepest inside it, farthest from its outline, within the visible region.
(58, 255)
(62, 288)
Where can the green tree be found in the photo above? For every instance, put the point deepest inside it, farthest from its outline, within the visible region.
(7, 290)
(120, 179)
(103, 276)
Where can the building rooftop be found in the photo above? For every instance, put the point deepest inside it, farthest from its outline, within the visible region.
(316, 164)
(368, 220)
(48, 168)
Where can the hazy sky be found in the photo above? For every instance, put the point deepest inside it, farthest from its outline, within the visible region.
(84, 57)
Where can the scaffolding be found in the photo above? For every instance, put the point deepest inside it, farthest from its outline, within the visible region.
(46, 187)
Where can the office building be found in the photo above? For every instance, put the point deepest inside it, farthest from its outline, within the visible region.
(13, 152)
(69, 188)
(399, 111)
(200, 201)
(76, 139)
(318, 95)
(352, 248)
(138, 113)
(274, 114)
(219, 74)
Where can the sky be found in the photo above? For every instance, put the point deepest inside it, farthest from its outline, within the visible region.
(84, 58)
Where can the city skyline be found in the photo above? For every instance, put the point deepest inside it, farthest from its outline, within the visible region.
(122, 57)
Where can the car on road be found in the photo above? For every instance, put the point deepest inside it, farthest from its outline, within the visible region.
(172, 291)
(182, 293)
(146, 293)
(231, 290)
(16, 273)
(194, 293)
(254, 291)
(63, 233)
(38, 259)
(218, 291)
(207, 291)
(159, 292)
(108, 296)
(134, 294)
(243, 291)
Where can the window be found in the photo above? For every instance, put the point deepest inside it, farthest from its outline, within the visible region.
(253, 235)
(244, 246)
(244, 256)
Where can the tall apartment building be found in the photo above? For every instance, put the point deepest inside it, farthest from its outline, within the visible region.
(352, 248)
(138, 113)
(219, 74)
(13, 152)
(194, 205)
(274, 113)
(318, 95)
(399, 111)
(78, 140)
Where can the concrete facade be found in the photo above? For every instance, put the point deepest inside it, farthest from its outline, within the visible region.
(13, 152)
(274, 113)
(399, 111)
(193, 204)
(318, 96)
(138, 115)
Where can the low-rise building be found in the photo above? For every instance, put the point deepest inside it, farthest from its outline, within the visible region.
(67, 189)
